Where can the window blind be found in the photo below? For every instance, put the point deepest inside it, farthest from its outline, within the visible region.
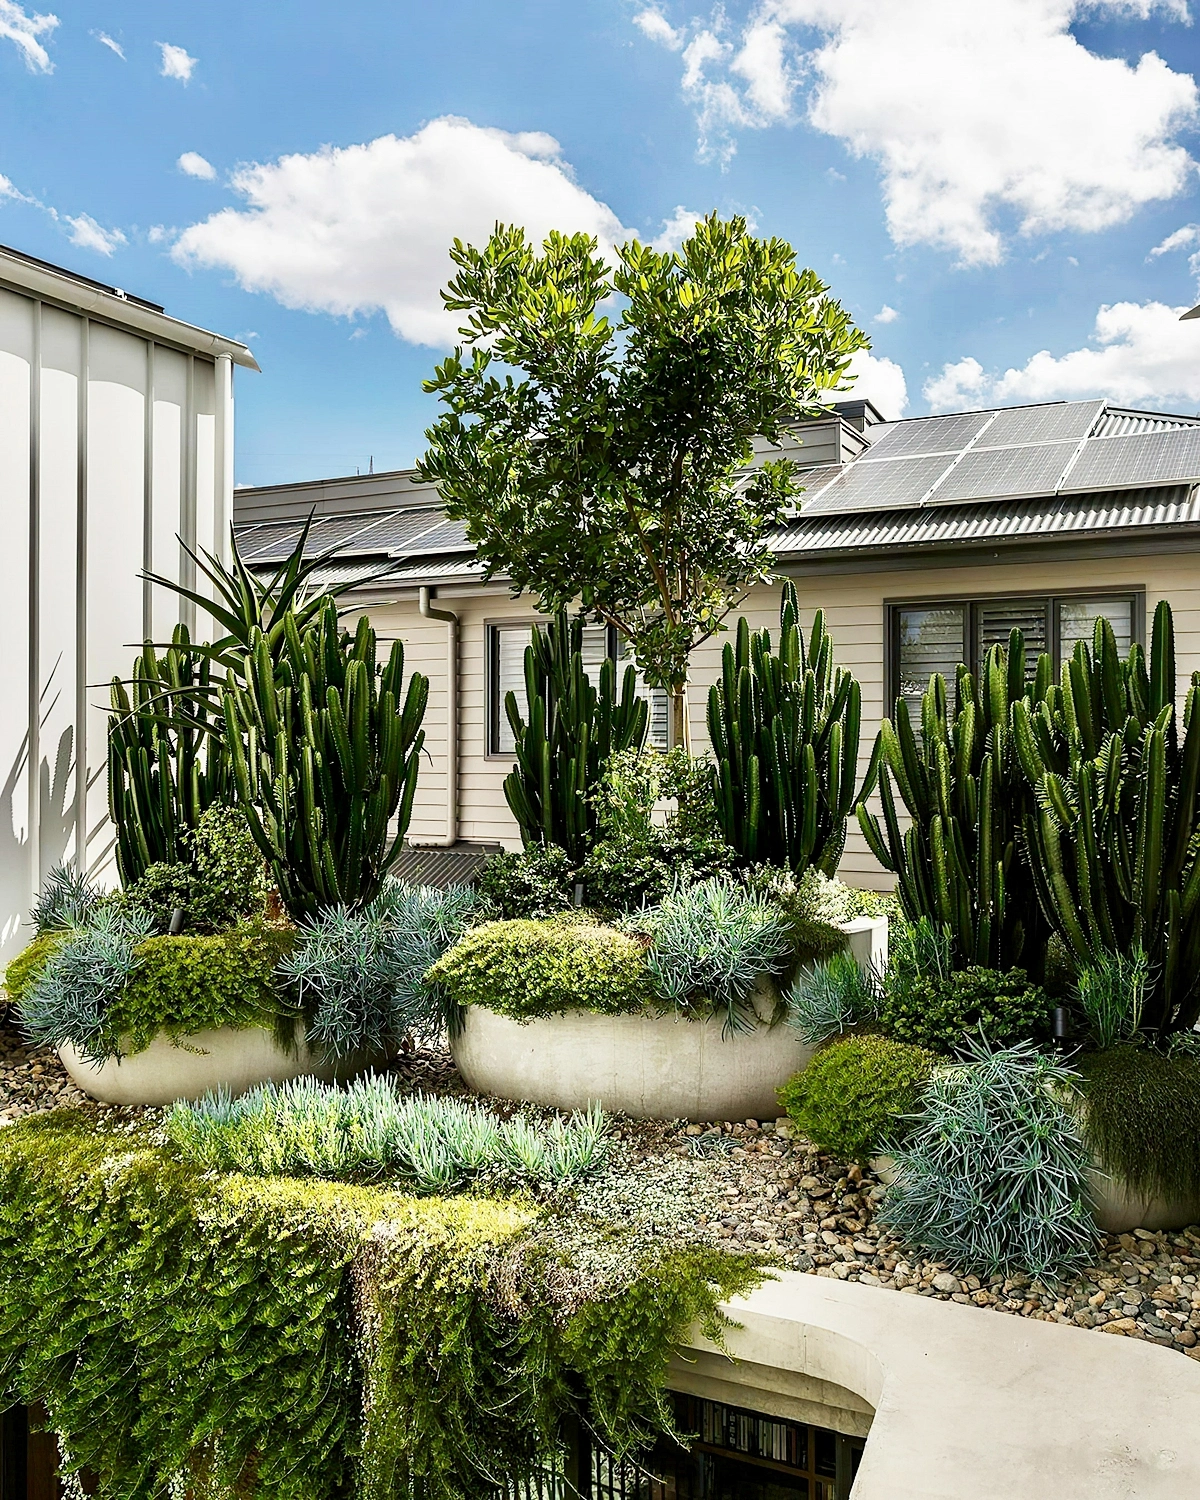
(931, 640)
(1077, 622)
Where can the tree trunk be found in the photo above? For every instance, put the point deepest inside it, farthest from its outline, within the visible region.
(681, 734)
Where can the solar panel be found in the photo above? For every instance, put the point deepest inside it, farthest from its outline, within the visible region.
(995, 473)
(1056, 421)
(879, 486)
(275, 542)
(1142, 458)
(399, 528)
(449, 536)
(927, 435)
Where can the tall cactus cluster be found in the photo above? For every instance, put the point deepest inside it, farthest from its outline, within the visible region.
(1113, 840)
(325, 756)
(958, 861)
(166, 757)
(574, 726)
(784, 727)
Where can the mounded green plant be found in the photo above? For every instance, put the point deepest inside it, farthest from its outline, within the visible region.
(536, 881)
(528, 969)
(434, 1145)
(784, 728)
(711, 944)
(325, 759)
(360, 975)
(942, 1011)
(302, 1339)
(167, 761)
(109, 988)
(573, 728)
(992, 1176)
(958, 863)
(1140, 1117)
(852, 1097)
(25, 968)
(1112, 842)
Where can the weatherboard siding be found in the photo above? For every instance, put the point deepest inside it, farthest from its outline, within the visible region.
(855, 610)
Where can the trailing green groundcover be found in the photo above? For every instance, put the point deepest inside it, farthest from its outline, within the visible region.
(1141, 1118)
(283, 1340)
(180, 985)
(525, 969)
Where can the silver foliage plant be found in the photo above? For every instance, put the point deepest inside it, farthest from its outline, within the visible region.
(992, 1176)
(710, 944)
(70, 998)
(833, 995)
(360, 975)
(67, 899)
(310, 1128)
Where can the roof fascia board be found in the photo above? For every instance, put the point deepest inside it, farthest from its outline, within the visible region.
(75, 296)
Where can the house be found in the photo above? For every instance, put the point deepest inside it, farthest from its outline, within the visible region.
(116, 438)
(924, 541)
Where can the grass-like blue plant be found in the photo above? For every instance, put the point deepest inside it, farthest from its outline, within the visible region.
(710, 944)
(992, 1176)
(831, 996)
(68, 1001)
(67, 899)
(307, 1128)
(360, 974)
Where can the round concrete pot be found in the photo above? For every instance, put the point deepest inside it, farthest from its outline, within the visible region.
(187, 1068)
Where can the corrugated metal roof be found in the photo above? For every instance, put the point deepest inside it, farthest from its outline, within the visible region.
(1166, 505)
(1119, 422)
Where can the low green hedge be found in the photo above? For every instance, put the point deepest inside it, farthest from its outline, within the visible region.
(1141, 1118)
(940, 1011)
(848, 1099)
(525, 969)
(283, 1340)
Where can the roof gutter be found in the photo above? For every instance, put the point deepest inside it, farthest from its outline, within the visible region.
(428, 612)
(26, 277)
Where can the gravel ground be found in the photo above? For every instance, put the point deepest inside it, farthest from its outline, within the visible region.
(752, 1186)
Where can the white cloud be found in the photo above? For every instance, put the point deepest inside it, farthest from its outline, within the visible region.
(659, 29)
(106, 41)
(354, 229)
(976, 114)
(195, 165)
(89, 235)
(885, 314)
(676, 229)
(1139, 354)
(1182, 239)
(25, 30)
(175, 62)
(878, 380)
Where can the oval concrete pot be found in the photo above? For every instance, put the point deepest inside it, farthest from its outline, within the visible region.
(651, 1067)
(187, 1068)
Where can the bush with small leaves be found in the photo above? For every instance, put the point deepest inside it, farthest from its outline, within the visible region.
(537, 881)
(942, 1012)
(853, 1097)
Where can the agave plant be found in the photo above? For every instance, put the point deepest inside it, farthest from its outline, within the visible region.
(1113, 841)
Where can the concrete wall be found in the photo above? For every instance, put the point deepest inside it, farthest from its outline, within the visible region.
(112, 443)
(855, 607)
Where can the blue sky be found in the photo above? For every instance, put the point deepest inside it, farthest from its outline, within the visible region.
(1003, 192)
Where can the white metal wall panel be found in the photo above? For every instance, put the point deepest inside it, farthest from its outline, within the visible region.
(116, 443)
(58, 677)
(17, 316)
(206, 539)
(167, 490)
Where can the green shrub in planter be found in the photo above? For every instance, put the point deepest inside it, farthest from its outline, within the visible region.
(23, 970)
(537, 881)
(1141, 1118)
(526, 969)
(850, 1098)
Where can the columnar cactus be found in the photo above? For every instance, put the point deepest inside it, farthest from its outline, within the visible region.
(573, 729)
(325, 758)
(166, 755)
(1113, 841)
(958, 861)
(784, 728)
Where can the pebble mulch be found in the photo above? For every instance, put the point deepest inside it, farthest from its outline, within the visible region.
(753, 1186)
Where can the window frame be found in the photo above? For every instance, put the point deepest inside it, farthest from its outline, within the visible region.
(971, 603)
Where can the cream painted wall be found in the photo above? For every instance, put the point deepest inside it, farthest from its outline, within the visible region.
(854, 605)
(111, 444)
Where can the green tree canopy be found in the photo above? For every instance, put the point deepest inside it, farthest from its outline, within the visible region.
(604, 461)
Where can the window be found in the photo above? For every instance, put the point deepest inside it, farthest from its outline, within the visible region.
(506, 645)
(925, 638)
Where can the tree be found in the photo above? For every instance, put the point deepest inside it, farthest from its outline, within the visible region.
(608, 463)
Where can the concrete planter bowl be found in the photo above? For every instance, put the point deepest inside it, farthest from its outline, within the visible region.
(189, 1067)
(650, 1067)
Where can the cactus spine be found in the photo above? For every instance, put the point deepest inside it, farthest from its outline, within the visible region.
(573, 729)
(784, 728)
(1113, 839)
(958, 861)
(325, 757)
(166, 756)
